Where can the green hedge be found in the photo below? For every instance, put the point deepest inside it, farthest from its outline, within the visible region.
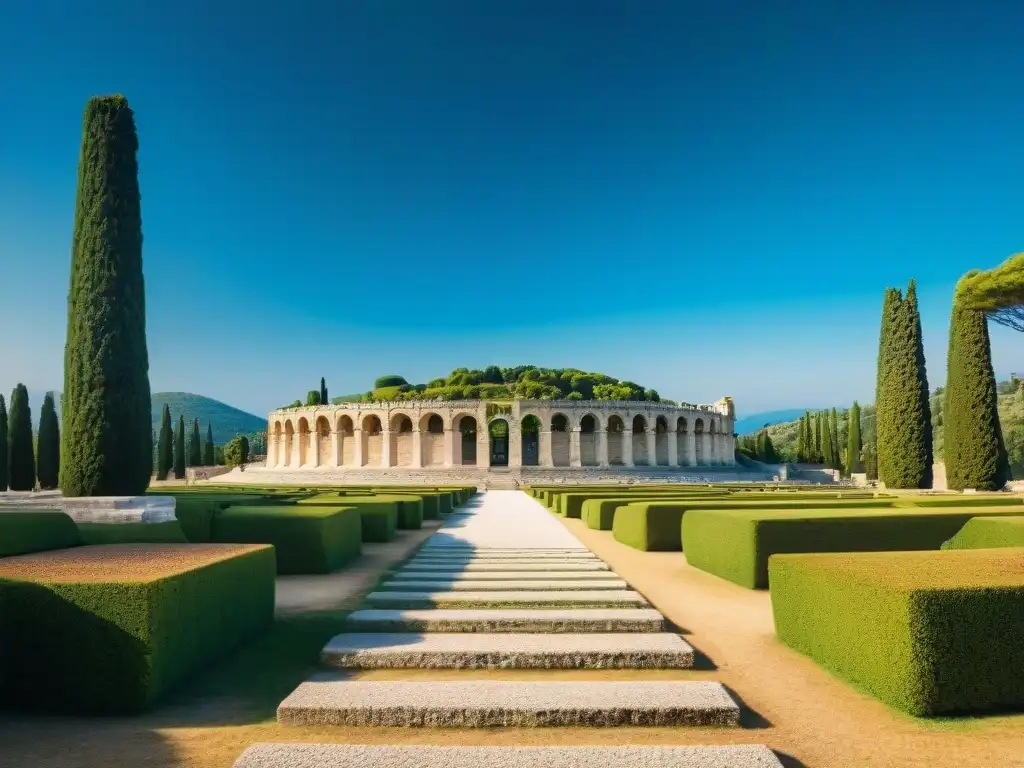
(965, 500)
(571, 504)
(736, 544)
(195, 510)
(988, 533)
(380, 517)
(929, 633)
(132, 533)
(36, 531)
(306, 539)
(109, 629)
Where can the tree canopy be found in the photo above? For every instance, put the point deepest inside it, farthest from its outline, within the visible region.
(998, 292)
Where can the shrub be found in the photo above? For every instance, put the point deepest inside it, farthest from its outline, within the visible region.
(132, 533)
(37, 531)
(236, 452)
(306, 539)
(380, 517)
(391, 380)
(109, 629)
(736, 544)
(928, 633)
(599, 513)
(989, 533)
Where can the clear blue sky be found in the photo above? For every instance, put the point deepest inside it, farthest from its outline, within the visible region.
(705, 196)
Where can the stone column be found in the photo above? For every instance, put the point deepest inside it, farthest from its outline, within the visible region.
(730, 450)
(652, 445)
(690, 442)
(385, 446)
(313, 450)
(515, 447)
(544, 448)
(359, 446)
(706, 447)
(483, 444)
(673, 449)
(449, 446)
(575, 458)
(602, 447)
(417, 447)
(335, 448)
(627, 448)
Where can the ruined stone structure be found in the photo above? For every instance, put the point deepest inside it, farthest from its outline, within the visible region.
(444, 434)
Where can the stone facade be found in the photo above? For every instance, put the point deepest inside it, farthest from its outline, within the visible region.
(514, 434)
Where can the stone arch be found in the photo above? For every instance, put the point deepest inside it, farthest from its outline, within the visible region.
(590, 430)
(323, 441)
(499, 432)
(698, 441)
(372, 436)
(432, 439)
(560, 436)
(289, 443)
(616, 428)
(661, 438)
(345, 432)
(529, 428)
(640, 454)
(465, 428)
(303, 438)
(278, 453)
(681, 434)
(401, 437)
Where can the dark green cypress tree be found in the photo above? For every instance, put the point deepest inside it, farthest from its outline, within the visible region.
(826, 442)
(21, 458)
(48, 469)
(974, 450)
(323, 392)
(4, 473)
(819, 455)
(853, 441)
(833, 430)
(195, 446)
(808, 439)
(800, 440)
(105, 446)
(179, 449)
(922, 436)
(759, 445)
(165, 449)
(208, 451)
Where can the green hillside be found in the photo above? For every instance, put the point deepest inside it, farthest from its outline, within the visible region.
(226, 420)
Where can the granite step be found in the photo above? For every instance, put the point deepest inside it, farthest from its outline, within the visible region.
(507, 620)
(511, 554)
(583, 598)
(595, 577)
(360, 756)
(409, 584)
(506, 566)
(488, 704)
(410, 650)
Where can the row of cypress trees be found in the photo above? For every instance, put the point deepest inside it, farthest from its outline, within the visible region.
(171, 454)
(759, 447)
(22, 462)
(817, 439)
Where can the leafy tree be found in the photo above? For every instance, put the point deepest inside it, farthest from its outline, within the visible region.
(208, 448)
(236, 452)
(195, 446)
(179, 449)
(393, 380)
(20, 455)
(313, 397)
(106, 436)
(493, 375)
(853, 441)
(997, 292)
(4, 469)
(48, 468)
(975, 453)
(165, 451)
(324, 400)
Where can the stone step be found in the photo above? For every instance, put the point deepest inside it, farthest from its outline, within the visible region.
(506, 566)
(410, 584)
(506, 620)
(359, 756)
(499, 599)
(454, 576)
(514, 554)
(450, 548)
(488, 704)
(409, 650)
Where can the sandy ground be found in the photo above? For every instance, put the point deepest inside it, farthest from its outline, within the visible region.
(808, 717)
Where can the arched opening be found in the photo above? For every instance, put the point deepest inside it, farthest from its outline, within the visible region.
(661, 441)
(466, 442)
(373, 441)
(681, 440)
(560, 440)
(531, 440)
(279, 454)
(589, 429)
(346, 442)
(498, 432)
(698, 441)
(432, 440)
(713, 430)
(401, 441)
(616, 427)
(289, 443)
(640, 457)
(323, 441)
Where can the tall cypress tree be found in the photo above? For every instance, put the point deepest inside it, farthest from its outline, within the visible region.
(107, 432)
(800, 440)
(853, 441)
(826, 441)
(179, 449)
(208, 452)
(4, 471)
(195, 446)
(165, 449)
(922, 414)
(20, 453)
(833, 430)
(323, 392)
(819, 455)
(48, 468)
(974, 450)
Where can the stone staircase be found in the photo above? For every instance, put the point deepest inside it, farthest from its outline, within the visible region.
(505, 586)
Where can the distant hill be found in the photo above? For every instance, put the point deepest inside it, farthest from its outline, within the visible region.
(226, 420)
(750, 424)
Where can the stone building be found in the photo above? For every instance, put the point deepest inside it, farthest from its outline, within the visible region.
(514, 434)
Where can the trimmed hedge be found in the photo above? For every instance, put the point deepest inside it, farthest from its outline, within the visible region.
(988, 533)
(132, 533)
(380, 517)
(736, 544)
(929, 633)
(571, 504)
(306, 539)
(22, 533)
(196, 510)
(109, 629)
(968, 500)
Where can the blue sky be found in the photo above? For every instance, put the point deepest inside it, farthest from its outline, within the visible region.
(704, 196)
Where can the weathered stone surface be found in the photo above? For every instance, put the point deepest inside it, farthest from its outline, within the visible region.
(507, 620)
(535, 575)
(359, 756)
(441, 553)
(645, 650)
(507, 566)
(485, 704)
(93, 509)
(459, 585)
(578, 598)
